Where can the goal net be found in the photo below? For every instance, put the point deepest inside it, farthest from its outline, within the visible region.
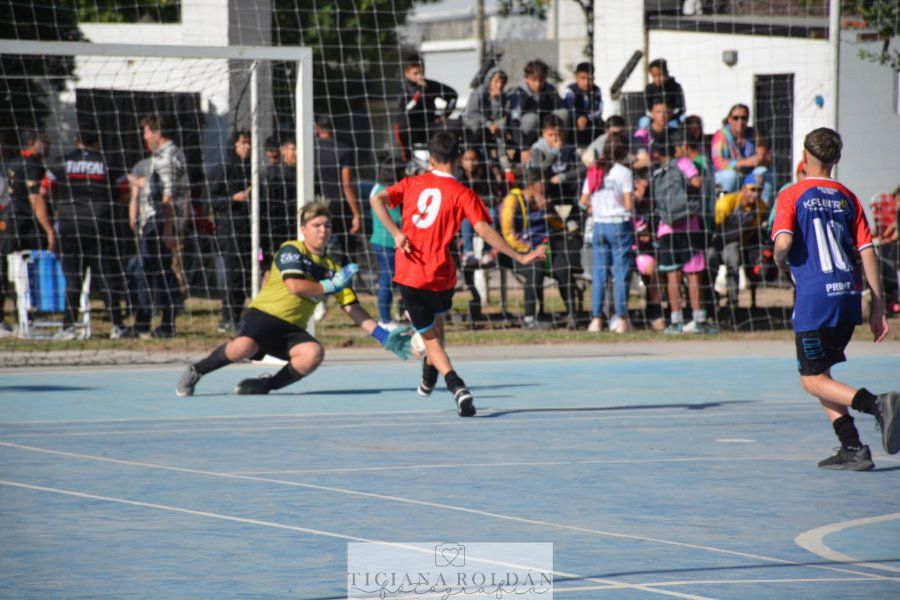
(275, 103)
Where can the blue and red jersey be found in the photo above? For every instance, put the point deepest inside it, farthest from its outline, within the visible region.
(829, 228)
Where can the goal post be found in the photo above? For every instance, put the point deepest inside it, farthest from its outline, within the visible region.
(248, 58)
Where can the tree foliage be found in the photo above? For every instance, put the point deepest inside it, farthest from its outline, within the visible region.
(26, 82)
(129, 11)
(884, 17)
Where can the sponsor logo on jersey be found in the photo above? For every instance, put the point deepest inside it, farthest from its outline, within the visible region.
(839, 288)
(85, 167)
(823, 204)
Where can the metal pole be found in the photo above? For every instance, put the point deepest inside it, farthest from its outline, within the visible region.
(834, 39)
(254, 178)
(479, 30)
(304, 124)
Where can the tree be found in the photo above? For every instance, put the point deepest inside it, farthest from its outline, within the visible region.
(538, 8)
(27, 81)
(129, 11)
(882, 15)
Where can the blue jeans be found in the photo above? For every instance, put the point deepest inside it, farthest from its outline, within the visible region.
(730, 181)
(611, 247)
(385, 258)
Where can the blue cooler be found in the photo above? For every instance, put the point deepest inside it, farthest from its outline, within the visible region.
(46, 281)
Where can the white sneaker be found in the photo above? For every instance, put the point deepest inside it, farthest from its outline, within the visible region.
(721, 284)
(66, 334)
(596, 325)
(116, 332)
(388, 325)
(700, 327)
(619, 325)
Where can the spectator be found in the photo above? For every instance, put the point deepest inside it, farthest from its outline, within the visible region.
(229, 197)
(168, 200)
(486, 116)
(657, 132)
(531, 103)
(585, 105)
(87, 237)
(734, 153)
(525, 225)
(594, 152)
(663, 89)
(335, 185)
(424, 106)
(889, 256)
(6, 240)
(738, 220)
(471, 172)
(557, 161)
(26, 212)
(693, 130)
(390, 171)
(609, 189)
(273, 156)
(645, 251)
(688, 147)
(681, 237)
(279, 217)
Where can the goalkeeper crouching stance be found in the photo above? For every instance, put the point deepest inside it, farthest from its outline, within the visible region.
(275, 322)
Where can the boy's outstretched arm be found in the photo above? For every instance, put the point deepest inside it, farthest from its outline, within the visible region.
(490, 235)
(877, 320)
(396, 340)
(378, 206)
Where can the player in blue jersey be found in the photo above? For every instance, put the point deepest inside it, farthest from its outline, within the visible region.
(820, 230)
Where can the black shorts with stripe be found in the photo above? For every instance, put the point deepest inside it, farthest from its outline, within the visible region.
(821, 349)
(424, 306)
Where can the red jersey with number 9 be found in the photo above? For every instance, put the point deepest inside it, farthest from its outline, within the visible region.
(434, 206)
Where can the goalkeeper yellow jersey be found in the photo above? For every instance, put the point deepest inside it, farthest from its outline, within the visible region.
(293, 259)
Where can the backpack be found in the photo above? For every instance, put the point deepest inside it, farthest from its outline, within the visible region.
(670, 193)
(595, 178)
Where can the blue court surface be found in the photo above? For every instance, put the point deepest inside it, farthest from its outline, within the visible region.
(651, 476)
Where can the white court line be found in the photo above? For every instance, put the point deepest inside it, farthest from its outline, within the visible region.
(450, 422)
(812, 541)
(557, 589)
(548, 463)
(437, 505)
(331, 534)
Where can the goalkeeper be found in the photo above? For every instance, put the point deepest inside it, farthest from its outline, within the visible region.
(276, 320)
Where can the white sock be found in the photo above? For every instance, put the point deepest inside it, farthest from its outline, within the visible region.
(677, 317)
(700, 315)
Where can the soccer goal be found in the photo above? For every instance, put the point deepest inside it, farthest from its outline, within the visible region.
(203, 95)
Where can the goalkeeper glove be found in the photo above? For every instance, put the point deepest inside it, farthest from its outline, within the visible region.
(396, 340)
(341, 280)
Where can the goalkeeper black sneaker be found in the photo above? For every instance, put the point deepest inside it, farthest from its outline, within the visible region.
(429, 378)
(465, 403)
(887, 409)
(187, 382)
(255, 386)
(849, 460)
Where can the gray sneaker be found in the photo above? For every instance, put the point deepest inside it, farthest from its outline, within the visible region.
(186, 383)
(888, 406)
(849, 460)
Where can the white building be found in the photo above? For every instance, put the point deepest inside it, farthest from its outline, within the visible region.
(787, 75)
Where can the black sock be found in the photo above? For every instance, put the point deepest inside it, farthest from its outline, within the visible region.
(454, 381)
(216, 360)
(864, 401)
(847, 433)
(285, 377)
(429, 373)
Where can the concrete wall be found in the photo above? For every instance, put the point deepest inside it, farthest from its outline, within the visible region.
(868, 121)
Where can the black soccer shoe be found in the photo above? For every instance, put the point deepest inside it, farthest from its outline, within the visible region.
(465, 403)
(429, 379)
(887, 414)
(255, 386)
(187, 382)
(849, 460)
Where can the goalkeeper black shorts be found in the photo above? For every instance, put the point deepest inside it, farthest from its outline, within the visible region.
(274, 336)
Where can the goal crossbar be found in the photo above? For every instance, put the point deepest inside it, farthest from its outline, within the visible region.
(303, 58)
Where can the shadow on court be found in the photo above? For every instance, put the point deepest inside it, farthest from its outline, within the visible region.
(703, 406)
(367, 391)
(44, 388)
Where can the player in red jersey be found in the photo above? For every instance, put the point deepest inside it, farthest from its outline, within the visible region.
(820, 229)
(434, 205)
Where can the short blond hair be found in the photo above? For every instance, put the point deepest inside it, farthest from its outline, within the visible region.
(314, 210)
